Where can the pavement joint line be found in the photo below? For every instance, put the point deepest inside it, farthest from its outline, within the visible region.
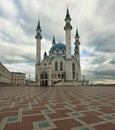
(82, 127)
(20, 114)
(2, 124)
(99, 123)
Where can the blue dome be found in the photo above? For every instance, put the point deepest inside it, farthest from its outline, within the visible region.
(58, 46)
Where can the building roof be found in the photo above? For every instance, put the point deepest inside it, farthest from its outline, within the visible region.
(18, 73)
(1, 65)
(58, 46)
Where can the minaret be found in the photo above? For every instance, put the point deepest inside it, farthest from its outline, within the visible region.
(77, 43)
(68, 29)
(38, 44)
(77, 55)
(38, 52)
(53, 41)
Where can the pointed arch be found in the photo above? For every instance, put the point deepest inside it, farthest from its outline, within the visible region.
(56, 66)
(61, 66)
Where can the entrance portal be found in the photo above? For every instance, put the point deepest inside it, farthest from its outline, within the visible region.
(44, 79)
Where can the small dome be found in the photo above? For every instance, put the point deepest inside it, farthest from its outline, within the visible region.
(58, 46)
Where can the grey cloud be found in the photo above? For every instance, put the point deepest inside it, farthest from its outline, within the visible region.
(103, 43)
(104, 74)
(112, 62)
(19, 59)
(99, 60)
(97, 74)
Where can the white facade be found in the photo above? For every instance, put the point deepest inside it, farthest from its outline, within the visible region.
(59, 65)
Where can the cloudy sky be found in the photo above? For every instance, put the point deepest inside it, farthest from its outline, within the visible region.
(95, 20)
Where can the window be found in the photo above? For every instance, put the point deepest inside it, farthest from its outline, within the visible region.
(62, 76)
(56, 65)
(73, 67)
(73, 71)
(61, 66)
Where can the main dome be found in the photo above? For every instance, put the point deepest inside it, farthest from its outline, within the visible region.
(58, 46)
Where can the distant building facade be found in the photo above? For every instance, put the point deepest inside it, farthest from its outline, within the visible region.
(59, 65)
(18, 78)
(5, 75)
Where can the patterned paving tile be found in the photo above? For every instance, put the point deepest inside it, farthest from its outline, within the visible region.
(57, 108)
(43, 125)
(12, 119)
(83, 128)
(75, 114)
(106, 126)
(48, 111)
(108, 117)
(61, 113)
(66, 124)
(91, 119)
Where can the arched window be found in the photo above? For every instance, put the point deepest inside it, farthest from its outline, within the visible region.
(73, 71)
(56, 65)
(73, 67)
(61, 66)
(57, 51)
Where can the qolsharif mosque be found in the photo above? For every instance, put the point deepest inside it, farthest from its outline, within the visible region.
(58, 67)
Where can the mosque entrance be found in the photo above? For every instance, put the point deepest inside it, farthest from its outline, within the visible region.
(44, 79)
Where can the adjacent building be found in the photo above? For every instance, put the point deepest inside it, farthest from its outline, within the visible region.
(59, 65)
(18, 78)
(8, 78)
(5, 76)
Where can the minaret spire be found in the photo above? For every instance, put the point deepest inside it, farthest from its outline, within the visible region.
(38, 26)
(76, 35)
(77, 43)
(67, 13)
(53, 41)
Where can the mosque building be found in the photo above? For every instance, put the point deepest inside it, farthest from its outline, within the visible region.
(59, 66)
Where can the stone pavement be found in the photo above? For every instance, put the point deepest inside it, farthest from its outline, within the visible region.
(57, 108)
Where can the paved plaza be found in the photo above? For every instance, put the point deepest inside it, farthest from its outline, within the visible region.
(57, 108)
